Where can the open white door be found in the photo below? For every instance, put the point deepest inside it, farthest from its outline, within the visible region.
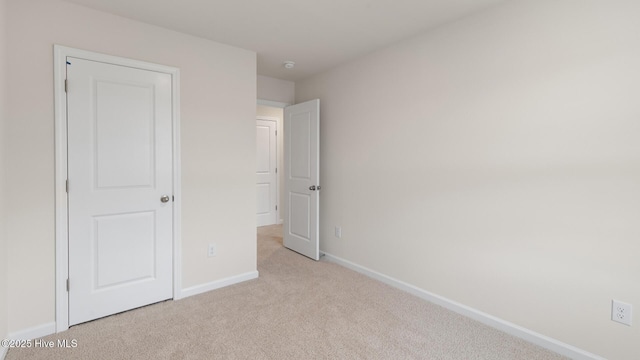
(302, 178)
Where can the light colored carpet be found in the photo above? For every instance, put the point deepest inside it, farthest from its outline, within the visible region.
(297, 309)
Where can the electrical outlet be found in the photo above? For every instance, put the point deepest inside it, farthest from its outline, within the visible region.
(213, 250)
(338, 232)
(621, 312)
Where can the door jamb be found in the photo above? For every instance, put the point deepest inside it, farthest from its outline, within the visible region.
(61, 204)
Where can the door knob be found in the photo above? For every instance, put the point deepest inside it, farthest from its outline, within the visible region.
(164, 198)
(312, 188)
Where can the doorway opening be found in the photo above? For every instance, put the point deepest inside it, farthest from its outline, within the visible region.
(271, 112)
(301, 176)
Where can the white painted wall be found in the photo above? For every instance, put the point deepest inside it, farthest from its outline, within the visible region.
(495, 161)
(218, 109)
(277, 90)
(3, 118)
(278, 113)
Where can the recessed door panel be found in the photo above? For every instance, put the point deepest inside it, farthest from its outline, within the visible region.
(300, 146)
(299, 216)
(263, 149)
(124, 130)
(264, 199)
(121, 257)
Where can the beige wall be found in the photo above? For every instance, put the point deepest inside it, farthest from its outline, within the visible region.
(218, 97)
(3, 108)
(278, 90)
(495, 161)
(277, 113)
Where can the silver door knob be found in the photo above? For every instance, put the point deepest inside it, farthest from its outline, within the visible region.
(312, 188)
(164, 198)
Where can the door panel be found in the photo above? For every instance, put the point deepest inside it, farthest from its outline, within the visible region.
(300, 204)
(300, 127)
(264, 201)
(302, 175)
(119, 166)
(266, 176)
(114, 267)
(124, 115)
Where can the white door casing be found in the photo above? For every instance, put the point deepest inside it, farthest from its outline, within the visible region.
(302, 176)
(266, 176)
(116, 241)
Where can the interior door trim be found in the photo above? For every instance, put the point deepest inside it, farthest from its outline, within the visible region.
(274, 104)
(61, 206)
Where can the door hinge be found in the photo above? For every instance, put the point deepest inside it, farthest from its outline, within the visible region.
(276, 132)
(276, 170)
(67, 185)
(65, 85)
(173, 198)
(67, 285)
(276, 207)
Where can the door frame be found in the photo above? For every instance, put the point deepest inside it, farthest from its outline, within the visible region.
(275, 120)
(280, 139)
(60, 181)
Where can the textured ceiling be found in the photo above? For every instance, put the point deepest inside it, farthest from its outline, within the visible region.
(316, 34)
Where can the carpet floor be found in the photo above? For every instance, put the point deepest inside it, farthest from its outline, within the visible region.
(296, 309)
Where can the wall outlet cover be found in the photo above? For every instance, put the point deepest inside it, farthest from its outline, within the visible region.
(213, 250)
(621, 312)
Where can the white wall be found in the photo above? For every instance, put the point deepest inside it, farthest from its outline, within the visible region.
(277, 113)
(277, 90)
(3, 111)
(218, 109)
(495, 161)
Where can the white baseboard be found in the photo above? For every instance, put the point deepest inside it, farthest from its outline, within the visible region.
(29, 334)
(497, 323)
(34, 332)
(199, 289)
